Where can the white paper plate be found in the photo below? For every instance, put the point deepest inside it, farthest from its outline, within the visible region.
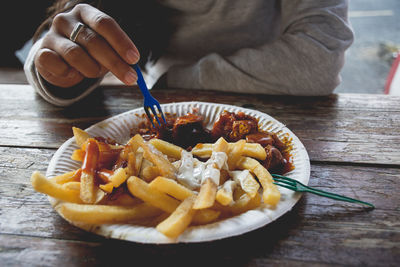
(120, 127)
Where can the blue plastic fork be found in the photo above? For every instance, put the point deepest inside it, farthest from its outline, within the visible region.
(149, 101)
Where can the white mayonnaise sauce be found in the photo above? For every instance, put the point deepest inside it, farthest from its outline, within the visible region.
(192, 172)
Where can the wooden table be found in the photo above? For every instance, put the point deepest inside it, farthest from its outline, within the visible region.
(353, 142)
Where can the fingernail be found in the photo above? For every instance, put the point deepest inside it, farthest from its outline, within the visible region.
(130, 77)
(132, 56)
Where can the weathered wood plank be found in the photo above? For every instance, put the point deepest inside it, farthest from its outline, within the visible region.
(277, 244)
(338, 128)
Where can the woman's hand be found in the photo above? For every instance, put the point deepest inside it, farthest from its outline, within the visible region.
(100, 47)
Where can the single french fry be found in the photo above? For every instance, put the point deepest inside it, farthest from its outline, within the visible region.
(130, 169)
(157, 220)
(205, 216)
(123, 199)
(246, 181)
(142, 190)
(139, 160)
(101, 214)
(247, 163)
(98, 195)
(108, 187)
(78, 155)
(208, 189)
(104, 175)
(134, 163)
(221, 145)
(149, 173)
(118, 177)
(180, 192)
(202, 150)
(87, 188)
(179, 220)
(253, 150)
(245, 203)
(87, 191)
(206, 197)
(225, 193)
(271, 194)
(134, 143)
(130, 147)
(165, 167)
(235, 152)
(80, 136)
(72, 176)
(72, 185)
(171, 187)
(167, 148)
(43, 185)
(145, 163)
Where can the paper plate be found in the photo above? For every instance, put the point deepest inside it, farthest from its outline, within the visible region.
(120, 127)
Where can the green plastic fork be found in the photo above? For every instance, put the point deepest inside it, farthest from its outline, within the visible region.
(297, 186)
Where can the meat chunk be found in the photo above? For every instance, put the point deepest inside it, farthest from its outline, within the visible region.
(234, 126)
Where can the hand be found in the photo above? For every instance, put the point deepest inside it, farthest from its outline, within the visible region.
(100, 47)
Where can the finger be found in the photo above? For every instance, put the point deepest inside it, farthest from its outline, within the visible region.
(103, 53)
(74, 55)
(50, 61)
(54, 70)
(99, 49)
(109, 29)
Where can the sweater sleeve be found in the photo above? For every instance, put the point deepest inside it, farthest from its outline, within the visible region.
(56, 95)
(305, 59)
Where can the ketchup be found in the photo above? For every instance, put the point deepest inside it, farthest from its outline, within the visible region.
(92, 155)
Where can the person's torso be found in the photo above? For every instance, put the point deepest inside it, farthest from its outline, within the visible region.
(220, 26)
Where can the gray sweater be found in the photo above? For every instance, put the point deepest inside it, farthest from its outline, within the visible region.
(287, 47)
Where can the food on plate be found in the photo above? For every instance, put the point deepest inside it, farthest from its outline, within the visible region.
(171, 177)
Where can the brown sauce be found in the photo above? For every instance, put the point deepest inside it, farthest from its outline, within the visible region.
(188, 130)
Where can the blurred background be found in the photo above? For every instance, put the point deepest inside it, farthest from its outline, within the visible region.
(376, 24)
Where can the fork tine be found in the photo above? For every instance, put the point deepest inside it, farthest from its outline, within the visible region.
(292, 183)
(286, 186)
(162, 113)
(155, 115)
(146, 109)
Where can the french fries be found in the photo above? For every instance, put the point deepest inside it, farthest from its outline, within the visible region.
(141, 184)
(252, 150)
(171, 187)
(51, 188)
(271, 194)
(68, 177)
(142, 190)
(166, 148)
(206, 196)
(80, 136)
(157, 158)
(101, 214)
(211, 179)
(225, 193)
(179, 220)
